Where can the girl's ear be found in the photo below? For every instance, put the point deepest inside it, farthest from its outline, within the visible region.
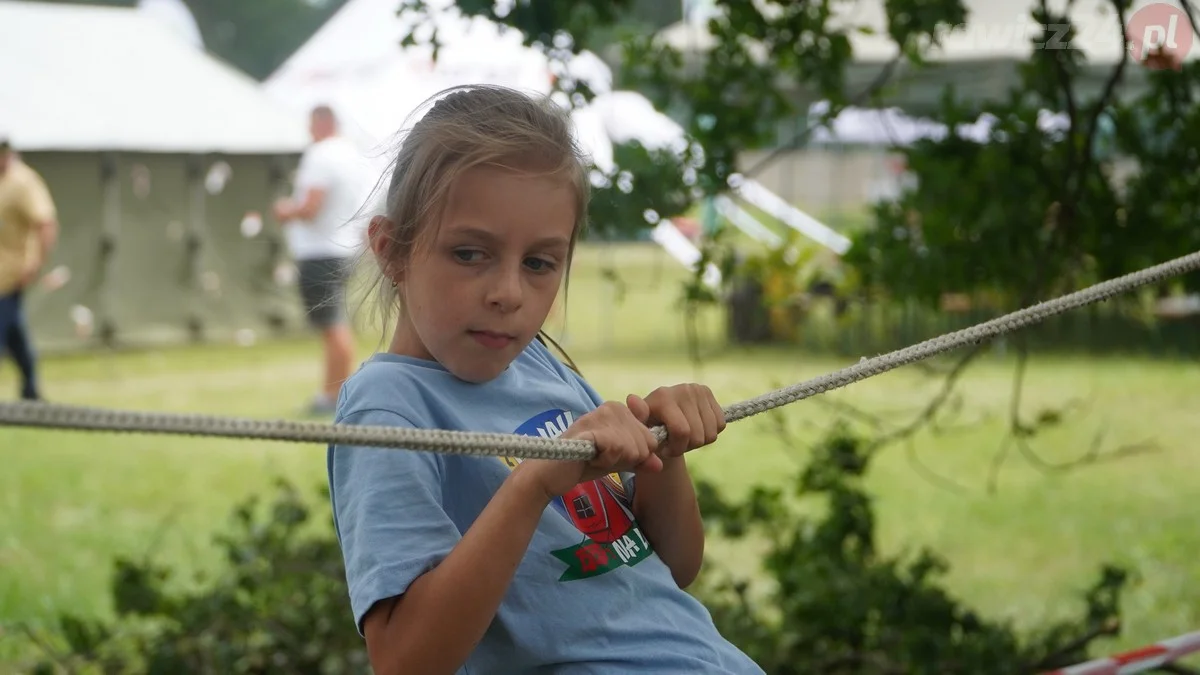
(375, 233)
(378, 240)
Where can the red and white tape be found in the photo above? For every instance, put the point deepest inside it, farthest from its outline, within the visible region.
(1138, 660)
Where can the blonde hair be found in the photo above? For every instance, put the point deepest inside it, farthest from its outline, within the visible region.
(466, 127)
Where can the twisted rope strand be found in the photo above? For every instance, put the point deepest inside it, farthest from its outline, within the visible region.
(58, 416)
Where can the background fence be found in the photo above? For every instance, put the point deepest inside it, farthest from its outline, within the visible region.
(1099, 330)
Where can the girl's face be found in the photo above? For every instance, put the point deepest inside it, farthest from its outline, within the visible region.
(479, 289)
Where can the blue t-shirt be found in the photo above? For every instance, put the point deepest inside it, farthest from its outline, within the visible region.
(590, 595)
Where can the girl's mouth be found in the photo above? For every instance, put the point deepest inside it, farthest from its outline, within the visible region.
(492, 340)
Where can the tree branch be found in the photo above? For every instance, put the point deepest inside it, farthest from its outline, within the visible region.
(1020, 432)
(47, 649)
(954, 407)
(1064, 80)
(928, 473)
(1106, 629)
(857, 661)
(1093, 121)
(907, 432)
(1191, 15)
(799, 139)
(935, 404)
(1110, 87)
(849, 410)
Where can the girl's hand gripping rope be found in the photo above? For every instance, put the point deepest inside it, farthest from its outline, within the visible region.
(689, 413)
(623, 443)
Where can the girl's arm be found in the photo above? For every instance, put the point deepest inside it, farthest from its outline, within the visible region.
(436, 624)
(665, 503)
(665, 507)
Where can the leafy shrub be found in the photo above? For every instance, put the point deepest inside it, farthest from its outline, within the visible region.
(280, 605)
(835, 605)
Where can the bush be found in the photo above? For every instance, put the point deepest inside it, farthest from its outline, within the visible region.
(833, 604)
(280, 605)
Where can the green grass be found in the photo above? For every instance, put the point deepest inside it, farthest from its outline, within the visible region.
(71, 501)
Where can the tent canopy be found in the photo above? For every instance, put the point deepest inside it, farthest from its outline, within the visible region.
(355, 64)
(888, 127)
(175, 15)
(100, 78)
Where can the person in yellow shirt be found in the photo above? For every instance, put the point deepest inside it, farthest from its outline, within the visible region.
(28, 232)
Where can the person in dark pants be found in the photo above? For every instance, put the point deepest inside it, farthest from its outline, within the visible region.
(18, 345)
(323, 235)
(28, 232)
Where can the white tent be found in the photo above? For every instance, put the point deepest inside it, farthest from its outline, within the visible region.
(356, 64)
(175, 15)
(892, 127)
(100, 78)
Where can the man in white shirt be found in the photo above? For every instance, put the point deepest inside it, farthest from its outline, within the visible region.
(324, 233)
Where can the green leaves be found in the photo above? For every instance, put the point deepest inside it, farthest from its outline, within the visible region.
(915, 25)
(835, 605)
(1025, 213)
(764, 62)
(278, 606)
(1032, 212)
(646, 185)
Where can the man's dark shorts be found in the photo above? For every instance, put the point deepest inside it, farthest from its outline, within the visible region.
(323, 288)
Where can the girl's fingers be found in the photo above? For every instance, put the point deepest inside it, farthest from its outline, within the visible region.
(718, 411)
(696, 424)
(713, 418)
(653, 464)
(630, 451)
(638, 406)
(611, 451)
(641, 438)
(650, 440)
(679, 429)
(642, 456)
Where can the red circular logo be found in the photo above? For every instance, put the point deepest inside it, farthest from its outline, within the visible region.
(1160, 35)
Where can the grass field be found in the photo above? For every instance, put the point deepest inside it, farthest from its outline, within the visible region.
(70, 502)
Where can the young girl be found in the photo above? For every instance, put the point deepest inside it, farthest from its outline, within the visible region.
(483, 565)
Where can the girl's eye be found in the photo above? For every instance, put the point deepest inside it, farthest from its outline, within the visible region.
(466, 255)
(539, 265)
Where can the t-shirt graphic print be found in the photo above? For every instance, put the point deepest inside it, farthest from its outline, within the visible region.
(601, 510)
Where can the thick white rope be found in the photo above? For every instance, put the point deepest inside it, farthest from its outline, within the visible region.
(58, 416)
